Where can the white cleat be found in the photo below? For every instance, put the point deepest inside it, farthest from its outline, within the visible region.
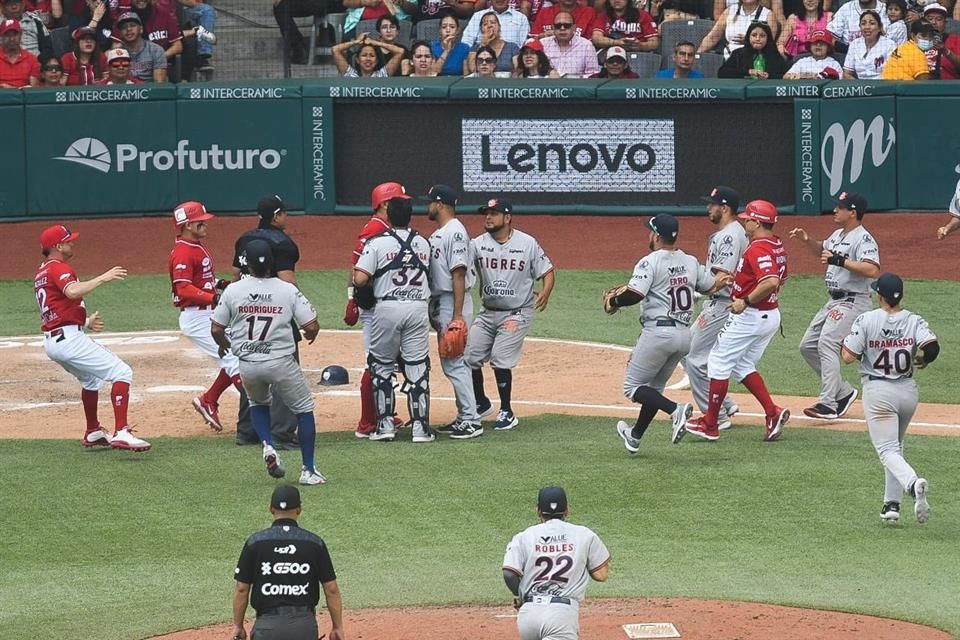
(680, 385)
(313, 477)
(679, 417)
(630, 443)
(124, 439)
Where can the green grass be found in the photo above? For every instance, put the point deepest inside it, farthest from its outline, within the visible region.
(142, 302)
(91, 536)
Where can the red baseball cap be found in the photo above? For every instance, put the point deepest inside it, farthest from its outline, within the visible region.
(190, 211)
(6, 26)
(534, 44)
(761, 211)
(385, 191)
(52, 236)
(821, 36)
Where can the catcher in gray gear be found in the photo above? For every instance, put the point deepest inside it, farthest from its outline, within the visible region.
(725, 248)
(853, 260)
(665, 281)
(396, 264)
(508, 262)
(451, 277)
(547, 568)
(890, 342)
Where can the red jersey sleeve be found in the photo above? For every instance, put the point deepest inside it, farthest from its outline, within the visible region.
(600, 23)
(374, 227)
(648, 28)
(544, 16)
(191, 276)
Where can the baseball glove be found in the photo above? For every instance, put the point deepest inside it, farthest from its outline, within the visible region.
(454, 340)
(608, 307)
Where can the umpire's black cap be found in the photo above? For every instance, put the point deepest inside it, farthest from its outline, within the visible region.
(723, 195)
(258, 251)
(890, 287)
(552, 501)
(286, 497)
(270, 206)
(665, 226)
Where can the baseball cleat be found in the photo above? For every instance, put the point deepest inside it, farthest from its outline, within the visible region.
(96, 438)
(725, 421)
(209, 411)
(505, 421)
(383, 434)
(311, 477)
(775, 424)
(272, 459)
(701, 429)
(921, 508)
(423, 434)
(364, 430)
(820, 411)
(467, 430)
(124, 439)
(630, 443)
(450, 427)
(484, 409)
(890, 512)
(844, 404)
(680, 385)
(679, 417)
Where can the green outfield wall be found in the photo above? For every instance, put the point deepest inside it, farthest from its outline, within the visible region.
(552, 146)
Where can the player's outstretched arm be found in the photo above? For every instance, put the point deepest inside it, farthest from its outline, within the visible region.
(815, 246)
(77, 290)
(948, 228)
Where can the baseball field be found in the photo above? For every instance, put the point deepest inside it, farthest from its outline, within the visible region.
(734, 539)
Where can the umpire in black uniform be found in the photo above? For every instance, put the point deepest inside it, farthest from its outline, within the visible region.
(273, 221)
(280, 572)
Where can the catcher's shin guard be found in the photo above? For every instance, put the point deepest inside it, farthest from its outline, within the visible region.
(416, 385)
(381, 379)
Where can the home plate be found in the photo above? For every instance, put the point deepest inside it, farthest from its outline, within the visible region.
(651, 630)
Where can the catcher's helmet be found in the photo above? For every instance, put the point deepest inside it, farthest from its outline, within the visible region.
(333, 375)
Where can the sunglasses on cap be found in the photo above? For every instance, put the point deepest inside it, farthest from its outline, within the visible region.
(562, 25)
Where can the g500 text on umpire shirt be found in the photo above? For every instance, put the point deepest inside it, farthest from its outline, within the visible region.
(285, 566)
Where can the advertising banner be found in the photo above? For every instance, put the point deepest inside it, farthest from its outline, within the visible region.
(806, 127)
(12, 188)
(672, 90)
(928, 152)
(320, 194)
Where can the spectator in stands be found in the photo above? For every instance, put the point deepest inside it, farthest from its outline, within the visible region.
(201, 24)
(369, 60)
(388, 30)
(18, 67)
(533, 62)
(583, 18)
(49, 11)
(684, 57)
(796, 32)
(897, 15)
(490, 37)
(51, 73)
(486, 64)
(148, 62)
(733, 25)
(908, 62)
(570, 55)
(284, 11)
(119, 68)
(758, 59)
(86, 64)
(818, 64)
(449, 50)
(514, 26)
(159, 27)
(421, 64)
(92, 13)
(615, 66)
(620, 24)
(868, 53)
(437, 9)
(670, 10)
(942, 59)
(845, 25)
(34, 36)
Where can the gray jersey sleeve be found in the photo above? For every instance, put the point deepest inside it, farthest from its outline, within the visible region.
(450, 250)
(888, 343)
(303, 311)
(725, 250)
(857, 245)
(955, 202)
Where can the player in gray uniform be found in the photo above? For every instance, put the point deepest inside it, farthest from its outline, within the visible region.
(451, 278)
(890, 342)
(665, 281)
(396, 264)
(853, 260)
(725, 248)
(258, 312)
(547, 567)
(508, 262)
(954, 207)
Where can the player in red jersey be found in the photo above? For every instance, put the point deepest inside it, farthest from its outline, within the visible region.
(60, 296)
(376, 225)
(754, 319)
(195, 291)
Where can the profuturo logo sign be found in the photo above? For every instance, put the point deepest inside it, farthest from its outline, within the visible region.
(879, 137)
(568, 155)
(93, 153)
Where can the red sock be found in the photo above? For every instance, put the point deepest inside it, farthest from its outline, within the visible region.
(754, 383)
(218, 387)
(120, 395)
(237, 383)
(718, 391)
(368, 410)
(89, 399)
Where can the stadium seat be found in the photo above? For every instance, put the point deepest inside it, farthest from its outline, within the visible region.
(678, 30)
(708, 64)
(428, 30)
(644, 65)
(322, 24)
(61, 41)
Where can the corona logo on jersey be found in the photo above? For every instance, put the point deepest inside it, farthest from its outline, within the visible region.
(93, 153)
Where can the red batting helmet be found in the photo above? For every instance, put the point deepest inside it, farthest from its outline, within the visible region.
(385, 191)
(190, 211)
(760, 210)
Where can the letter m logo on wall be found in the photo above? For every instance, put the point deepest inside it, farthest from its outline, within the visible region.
(844, 151)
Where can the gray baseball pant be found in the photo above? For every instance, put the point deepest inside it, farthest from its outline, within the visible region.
(553, 621)
(401, 329)
(456, 369)
(888, 406)
(498, 336)
(820, 345)
(703, 335)
(283, 376)
(654, 357)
